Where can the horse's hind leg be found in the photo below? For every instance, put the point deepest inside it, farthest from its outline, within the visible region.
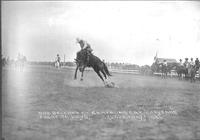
(104, 74)
(98, 73)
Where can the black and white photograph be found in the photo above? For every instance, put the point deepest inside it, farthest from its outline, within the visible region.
(100, 70)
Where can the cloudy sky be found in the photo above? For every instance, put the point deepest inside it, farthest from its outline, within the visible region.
(118, 31)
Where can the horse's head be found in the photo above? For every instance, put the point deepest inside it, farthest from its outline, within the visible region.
(79, 64)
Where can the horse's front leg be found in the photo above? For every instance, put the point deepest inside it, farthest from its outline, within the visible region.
(82, 73)
(75, 72)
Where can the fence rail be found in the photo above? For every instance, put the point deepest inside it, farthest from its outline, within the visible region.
(111, 70)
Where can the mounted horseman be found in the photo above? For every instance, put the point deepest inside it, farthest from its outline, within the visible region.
(197, 64)
(186, 69)
(192, 70)
(57, 61)
(181, 70)
(85, 58)
(85, 46)
(186, 65)
(164, 69)
(85, 52)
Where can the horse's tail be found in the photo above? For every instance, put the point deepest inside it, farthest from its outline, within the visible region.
(106, 69)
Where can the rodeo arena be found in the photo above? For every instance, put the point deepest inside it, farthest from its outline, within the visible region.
(85, 70)
(89, 98)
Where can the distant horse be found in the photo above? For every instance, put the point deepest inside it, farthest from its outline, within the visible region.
(166, 69)
(181, 71)
(82, 62)
(163, 69)
(192, 73)
(57, 64)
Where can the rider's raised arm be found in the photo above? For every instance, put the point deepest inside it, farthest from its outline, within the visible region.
(85, 44)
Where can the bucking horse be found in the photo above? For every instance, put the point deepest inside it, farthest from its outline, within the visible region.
(83, 60)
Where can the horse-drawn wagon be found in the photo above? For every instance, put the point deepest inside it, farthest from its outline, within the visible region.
(158, 67)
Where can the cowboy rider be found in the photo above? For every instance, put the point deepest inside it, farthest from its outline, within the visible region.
(186, 64)
(197, 63)
(165, 63)
(58, 58)
(85, 46)
(192, 62)
(180, 63)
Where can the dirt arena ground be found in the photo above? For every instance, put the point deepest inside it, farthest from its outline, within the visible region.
(45, 103)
